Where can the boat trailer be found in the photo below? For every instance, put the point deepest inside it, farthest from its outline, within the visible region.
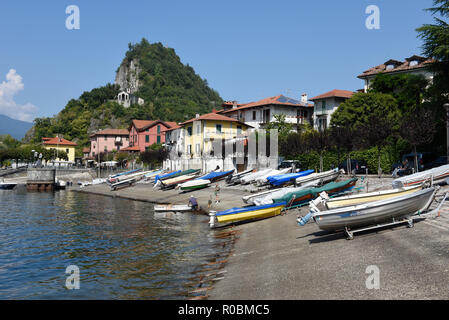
(410, 220)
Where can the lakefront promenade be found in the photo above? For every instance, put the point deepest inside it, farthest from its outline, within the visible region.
(276, 259)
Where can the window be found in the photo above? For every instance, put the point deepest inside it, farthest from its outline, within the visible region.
(239, 130)
(158, 139)
(254, 115)
(67, 151)
(105, 148)
(147, 138)
(158, 128)
(105, 138)
(189, 131)
(118, 148)
(197, 148)
(198, 129)
(323, 105)
(218, 128)
(413, 63)
(189, 149)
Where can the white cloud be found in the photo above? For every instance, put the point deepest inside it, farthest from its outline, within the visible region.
(8, 89)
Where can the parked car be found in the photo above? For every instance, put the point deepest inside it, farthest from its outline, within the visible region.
(359, 166)
(290, 163)
(426, 160)
(440, 161)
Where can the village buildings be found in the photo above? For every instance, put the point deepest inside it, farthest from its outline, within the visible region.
(60, 144)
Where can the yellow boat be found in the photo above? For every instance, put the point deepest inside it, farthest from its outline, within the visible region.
(356, 199)
(249, 213)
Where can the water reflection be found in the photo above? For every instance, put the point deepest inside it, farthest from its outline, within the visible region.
(123, 250)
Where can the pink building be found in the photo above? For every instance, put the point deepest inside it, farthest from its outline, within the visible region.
(144, 133)
(108, 140)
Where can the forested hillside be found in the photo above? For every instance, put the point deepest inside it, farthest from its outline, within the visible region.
(172, 91)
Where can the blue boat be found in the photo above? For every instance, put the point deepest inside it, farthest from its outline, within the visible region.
(158, 177)
(215, 176)
(284, 178)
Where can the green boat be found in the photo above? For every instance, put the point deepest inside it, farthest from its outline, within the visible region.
(303, 197)
(182, 173)
(194, 185)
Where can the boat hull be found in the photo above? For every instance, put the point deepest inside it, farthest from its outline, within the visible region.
(347, 201)
(256, 213)
(7, 186)
(306, 198)
(375, 212)
(172, 208)
(194, 185)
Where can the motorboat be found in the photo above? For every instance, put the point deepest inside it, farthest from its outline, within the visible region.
(345, 201)
(246, 213)
(434, 175)
(216, 175)
(194, 185)
(267, 196)
(371, 213)
(302, 197)
(278, 180)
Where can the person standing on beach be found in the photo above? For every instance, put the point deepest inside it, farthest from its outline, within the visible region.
(217, 193)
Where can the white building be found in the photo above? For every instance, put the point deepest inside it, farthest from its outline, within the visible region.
(416, 65)
(126, 99)
(258, 114)
(325, 106)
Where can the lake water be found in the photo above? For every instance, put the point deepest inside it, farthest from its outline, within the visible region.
(122, 248)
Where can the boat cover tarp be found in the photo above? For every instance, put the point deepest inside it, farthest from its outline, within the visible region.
(213, 175)
(247, 209)
(161, 176)
(314, 191)
(182, 173)
(419, 177)
(283, 178)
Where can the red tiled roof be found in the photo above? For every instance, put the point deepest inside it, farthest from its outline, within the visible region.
(114, 132)
(214, 116)
(145, 124)
(177, 126)
(277, 100)
(133, 148)
(423, 62)
(334, 93)
(58, 141)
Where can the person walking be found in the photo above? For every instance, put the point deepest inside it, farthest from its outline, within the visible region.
(217, 193)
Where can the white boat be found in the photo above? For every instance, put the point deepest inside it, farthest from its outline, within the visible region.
(266, 197)
(194, 185)
(370, 213)
(321, 177)
(235, 178)
(346, 201)
(7, 185)
(172, 208)
(253, 176)
(436, 175)
(263, 179)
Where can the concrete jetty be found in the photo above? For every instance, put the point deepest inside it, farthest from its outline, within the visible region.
(41, 179)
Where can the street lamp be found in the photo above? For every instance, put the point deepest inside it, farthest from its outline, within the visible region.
(446, 106)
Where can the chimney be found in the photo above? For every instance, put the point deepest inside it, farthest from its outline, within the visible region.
(214, 110)
(234, 104)
(304, 98)
(197, 115)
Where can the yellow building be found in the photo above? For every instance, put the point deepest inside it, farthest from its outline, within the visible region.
(200, 132)
(60, 144)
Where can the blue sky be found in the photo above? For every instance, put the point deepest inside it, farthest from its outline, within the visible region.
(247, 50)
